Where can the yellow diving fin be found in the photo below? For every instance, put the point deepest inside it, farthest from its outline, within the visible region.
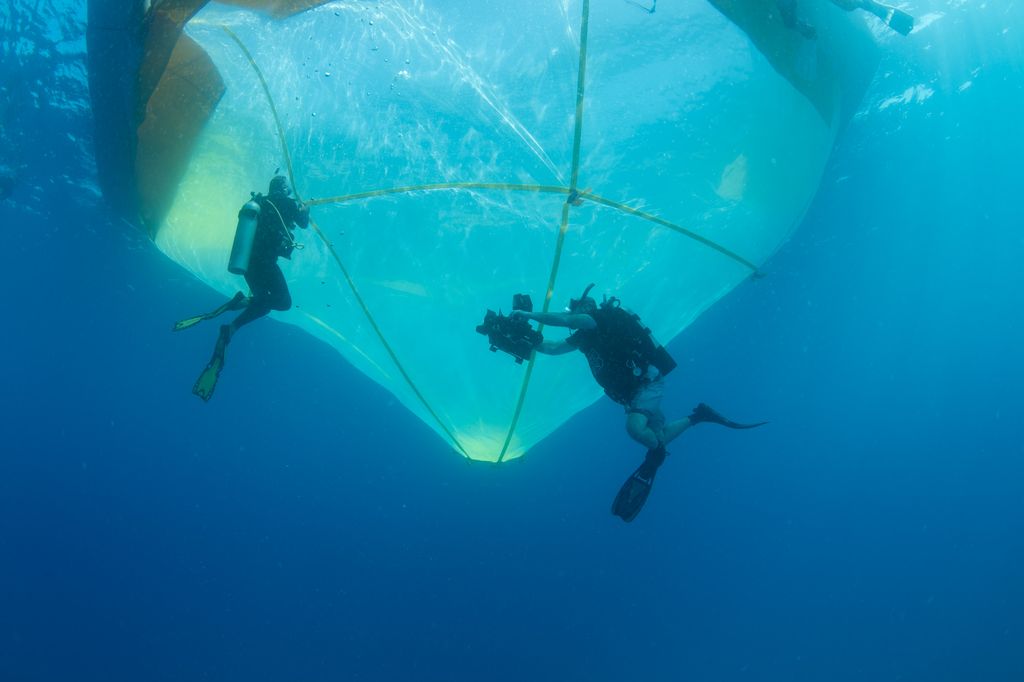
(238, 302)
(207, 381)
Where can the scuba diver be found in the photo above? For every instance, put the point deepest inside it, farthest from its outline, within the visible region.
(264, 234)
(629, 365)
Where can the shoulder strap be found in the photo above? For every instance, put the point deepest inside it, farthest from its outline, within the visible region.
(284, 224)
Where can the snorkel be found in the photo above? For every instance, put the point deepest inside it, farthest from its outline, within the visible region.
(575, 303)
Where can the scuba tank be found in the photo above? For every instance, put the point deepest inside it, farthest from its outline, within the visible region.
(245, 235)
(624, 350)
(638, 339)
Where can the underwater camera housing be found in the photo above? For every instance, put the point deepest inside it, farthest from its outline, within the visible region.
(512, 335)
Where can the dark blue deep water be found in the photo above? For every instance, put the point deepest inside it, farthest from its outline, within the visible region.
(303, 526)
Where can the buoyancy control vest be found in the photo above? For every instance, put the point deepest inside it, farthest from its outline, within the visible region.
(274, 237)
(621, 351)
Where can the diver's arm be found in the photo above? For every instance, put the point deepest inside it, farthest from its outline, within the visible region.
(555, 348)
(301, 214)
(297, 213)
(570, 320)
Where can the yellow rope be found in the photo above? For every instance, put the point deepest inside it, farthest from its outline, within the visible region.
(672, 226)
(384, 341)
(580, 81)
(270, 101)
(564, 228)
(546, 189)
(337, 258)
(551, 189)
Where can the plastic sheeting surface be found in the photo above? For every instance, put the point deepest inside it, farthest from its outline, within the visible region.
(682, 118)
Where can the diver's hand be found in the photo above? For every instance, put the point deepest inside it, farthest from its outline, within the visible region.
(303, 214)
(520, 315)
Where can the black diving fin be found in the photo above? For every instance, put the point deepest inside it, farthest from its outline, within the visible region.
(703, 413)
(207, 381)
(634, 492)
(237, 302)
(900, 21)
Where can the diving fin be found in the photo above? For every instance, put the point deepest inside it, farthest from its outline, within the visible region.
(237, 302)
(633, 493)
(207, 381)
(896, 19)
(900, 21)
(703, 413)
(632, 496)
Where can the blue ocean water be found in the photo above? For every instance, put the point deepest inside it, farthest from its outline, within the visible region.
(303, 526)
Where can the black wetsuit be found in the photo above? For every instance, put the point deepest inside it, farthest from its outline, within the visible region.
(615, 350)
(264, 277)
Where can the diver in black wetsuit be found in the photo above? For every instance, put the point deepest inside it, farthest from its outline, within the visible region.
(630, 366)
(279, 214)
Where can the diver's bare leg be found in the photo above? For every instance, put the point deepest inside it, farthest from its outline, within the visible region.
(638, 429)
(674, 429)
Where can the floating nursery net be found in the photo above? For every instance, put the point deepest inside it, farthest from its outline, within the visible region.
(438, 145)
